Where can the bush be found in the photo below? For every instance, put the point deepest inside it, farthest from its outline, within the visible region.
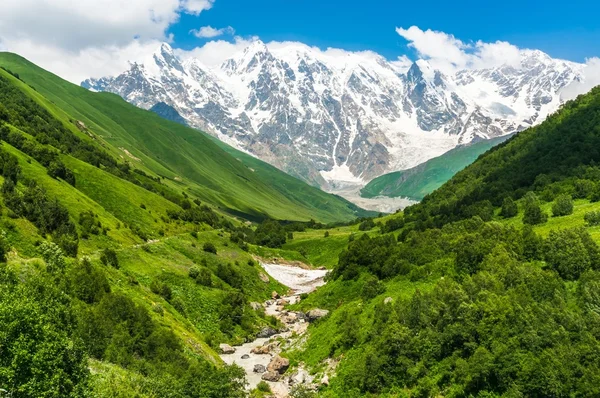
(162, 289)
(271, 234)
(366, 225)
(372, 288)
(509, 208)
(209, 248)
(4, 247)
(109, 257)
(326, 234)
(592, 218)
(562, 206)
(393, 224)
(263, 386)
(193, 272)
(533, 212)
(570, 252)
(204, 277)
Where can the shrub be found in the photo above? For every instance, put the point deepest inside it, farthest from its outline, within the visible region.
(4, 247)
(263, 386)
(326, 234)
(366, 225)
(204, 277)
(194, 272)
(162, 289)
(592, 218)
(179, 305)
(372, 288)
(562, 206)
(570, 252)
(533, 212)
(509, 208)
(393, 224)
(109, 257)
(209, 248)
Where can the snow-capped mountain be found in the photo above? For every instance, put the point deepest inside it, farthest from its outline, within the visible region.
(332, 118)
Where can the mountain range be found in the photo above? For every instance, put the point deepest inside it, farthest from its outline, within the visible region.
(336, 118)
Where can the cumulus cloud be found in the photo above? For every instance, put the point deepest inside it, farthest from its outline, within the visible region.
(68, 37)
(447, 53)
(589, 80)
(195, 7)
(402, 63)
(207, 32)
(215, 52)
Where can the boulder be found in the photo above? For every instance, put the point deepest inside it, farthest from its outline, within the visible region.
(255, 306)
(299, 377)
(266, 332)
(226, 349)
(274, 295)
(289, 318)
(315, 314)
(325, 380)
(278, 364)
(261, 350)
(388, 300)
(282, 302)
(258, 368)
(263, 277)
(270, 376)
(245, 356)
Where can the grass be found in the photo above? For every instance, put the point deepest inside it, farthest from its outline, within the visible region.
(581, 206)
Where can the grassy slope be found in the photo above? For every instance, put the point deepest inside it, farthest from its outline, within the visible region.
(189, 160)
(425, 178)
(168, 258)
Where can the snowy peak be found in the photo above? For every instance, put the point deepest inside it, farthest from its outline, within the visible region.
(334, 117)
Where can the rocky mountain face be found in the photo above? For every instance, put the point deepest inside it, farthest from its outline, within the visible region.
(337, 119)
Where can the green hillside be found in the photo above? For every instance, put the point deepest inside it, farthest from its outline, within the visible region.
(489, 287)
(114, 281)
(185, 159)
(417, 182)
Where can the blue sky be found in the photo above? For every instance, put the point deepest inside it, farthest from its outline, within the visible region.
(569, 30)
(79, 39)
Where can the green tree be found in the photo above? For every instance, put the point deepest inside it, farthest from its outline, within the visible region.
(533, 213)
(562, 206)
(566, 253)
(509, 208)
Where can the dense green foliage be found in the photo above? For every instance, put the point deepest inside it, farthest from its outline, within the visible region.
(560, 156)
(480, 304)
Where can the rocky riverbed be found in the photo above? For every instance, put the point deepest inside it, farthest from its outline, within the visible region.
(260, 358)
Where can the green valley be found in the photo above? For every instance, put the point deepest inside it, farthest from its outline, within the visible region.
(134, 254)
(421, 180)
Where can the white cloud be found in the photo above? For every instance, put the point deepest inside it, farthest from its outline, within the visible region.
(590, 79)
(71, 37)
(402, 63)
(215, 52)
(195, 7)
(447, 53)
(207, 32)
